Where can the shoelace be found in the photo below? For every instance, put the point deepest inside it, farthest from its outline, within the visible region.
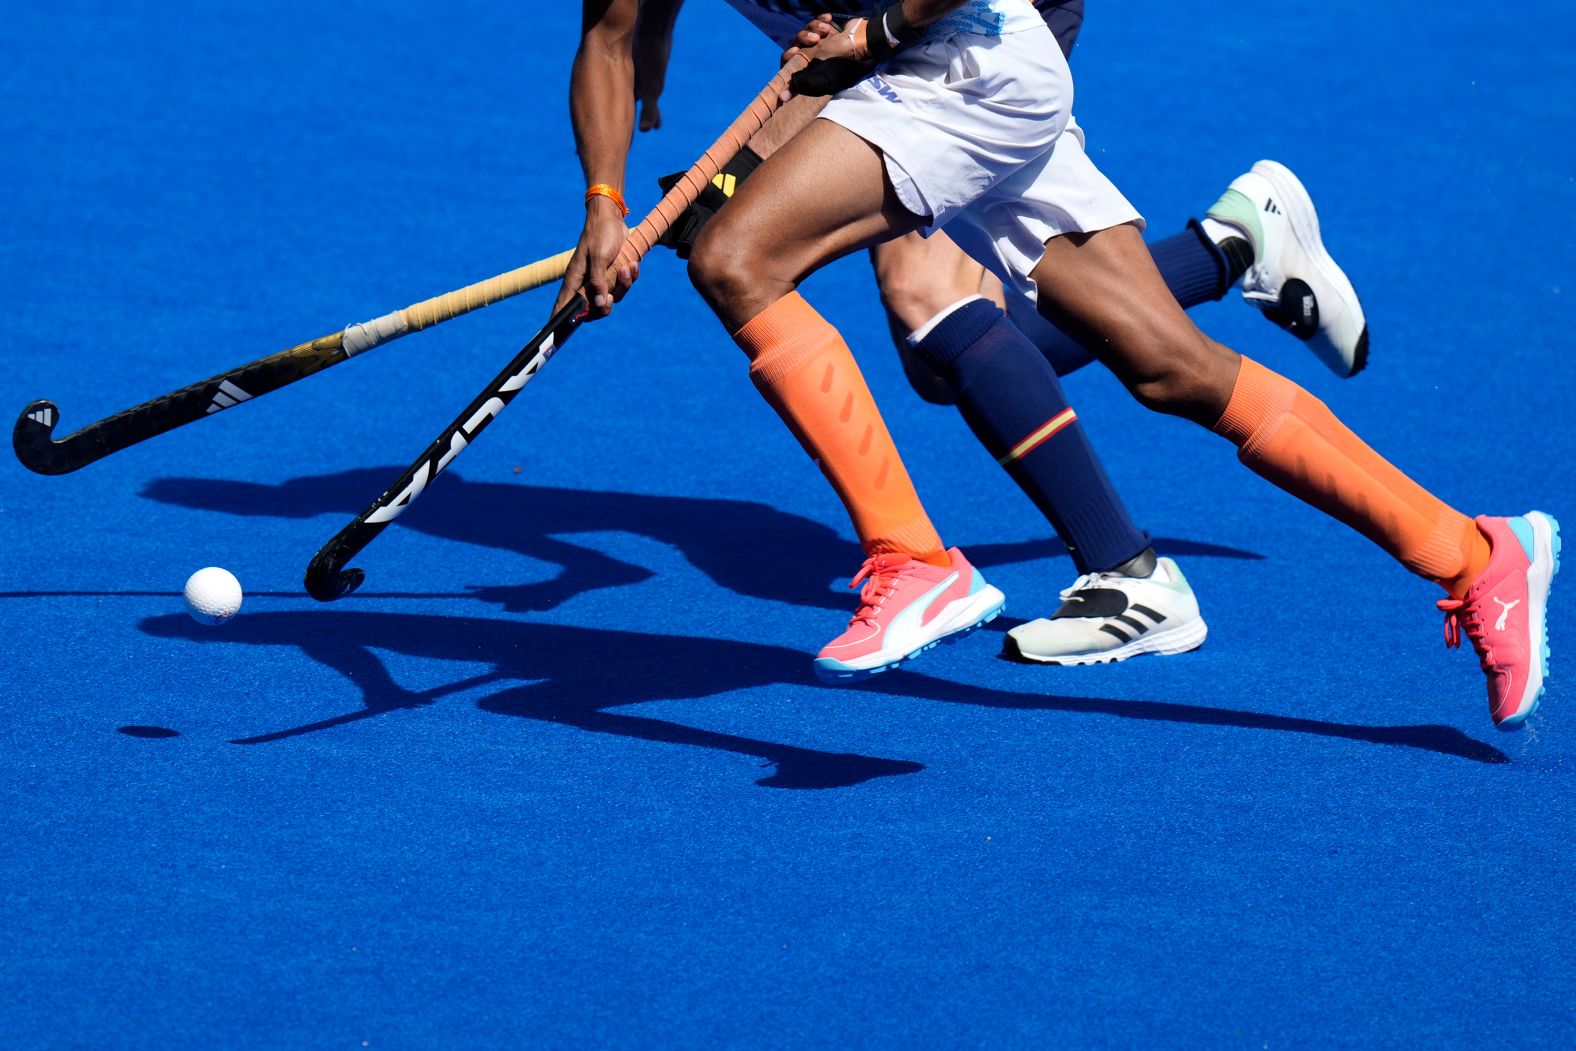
(880, 575)
(1094, 580)
(1459, 616)
(1262, 274)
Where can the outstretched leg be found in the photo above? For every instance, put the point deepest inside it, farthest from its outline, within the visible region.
(1104, 288)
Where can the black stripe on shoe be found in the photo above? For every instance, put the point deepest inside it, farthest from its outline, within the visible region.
(1139, 607)
(1118, 632)
(1137, 625)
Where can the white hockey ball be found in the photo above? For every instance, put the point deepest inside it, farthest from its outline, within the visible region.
(213, 595)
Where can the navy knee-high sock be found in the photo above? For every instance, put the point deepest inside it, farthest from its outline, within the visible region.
(1014, 404)
(1195, 269)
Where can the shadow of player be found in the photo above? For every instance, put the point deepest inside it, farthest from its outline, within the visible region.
(565, 675)
(573, 676)
(532, 520)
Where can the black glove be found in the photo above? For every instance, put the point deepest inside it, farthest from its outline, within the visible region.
(828, 76)
(686, 228)
(887, 31)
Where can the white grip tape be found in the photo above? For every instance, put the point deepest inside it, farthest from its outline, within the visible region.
(369, 334)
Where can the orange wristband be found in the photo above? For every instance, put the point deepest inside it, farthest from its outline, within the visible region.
(603, 189)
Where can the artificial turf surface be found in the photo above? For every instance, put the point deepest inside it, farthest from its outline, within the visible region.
(560, 775)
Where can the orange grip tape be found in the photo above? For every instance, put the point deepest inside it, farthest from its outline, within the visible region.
(656, 223)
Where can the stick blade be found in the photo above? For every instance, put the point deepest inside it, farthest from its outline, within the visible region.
(33, 440)
(326, 581)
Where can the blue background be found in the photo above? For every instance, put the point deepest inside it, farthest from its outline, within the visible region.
(560, 776)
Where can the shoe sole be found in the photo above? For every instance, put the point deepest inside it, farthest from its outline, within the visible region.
(1182, 639)
(979, 609)
(1546, 550)
(1304, 220)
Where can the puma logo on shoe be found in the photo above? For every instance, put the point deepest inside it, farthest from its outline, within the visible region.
(922, 611)
(905, 609)
(1505, 608)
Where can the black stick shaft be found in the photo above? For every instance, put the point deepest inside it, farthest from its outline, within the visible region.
(326, 576)
(33, 437)
(35, 444)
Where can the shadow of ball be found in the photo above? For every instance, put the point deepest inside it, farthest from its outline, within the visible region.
(150, 732)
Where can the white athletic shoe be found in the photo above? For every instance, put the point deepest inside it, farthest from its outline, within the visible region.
(1293, 280)
(1110, 617)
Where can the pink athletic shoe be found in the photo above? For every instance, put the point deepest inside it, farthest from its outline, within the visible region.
(1502, 613)
(906, 607)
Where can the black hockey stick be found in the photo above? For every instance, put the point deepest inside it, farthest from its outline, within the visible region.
(39, 450)
(327, 577)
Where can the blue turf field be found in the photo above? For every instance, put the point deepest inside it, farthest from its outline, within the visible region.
(560, 776)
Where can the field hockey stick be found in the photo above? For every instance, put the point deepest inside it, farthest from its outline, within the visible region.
(326, 576)
(38, 450)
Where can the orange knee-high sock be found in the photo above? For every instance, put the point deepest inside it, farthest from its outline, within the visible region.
(803, 368)
(1288, 436)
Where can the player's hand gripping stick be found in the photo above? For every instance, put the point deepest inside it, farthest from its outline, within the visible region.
(327, 577)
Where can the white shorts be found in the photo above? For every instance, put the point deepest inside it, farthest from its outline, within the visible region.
(971, 128)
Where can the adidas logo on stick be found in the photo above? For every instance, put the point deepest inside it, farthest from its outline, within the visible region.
(227, 395)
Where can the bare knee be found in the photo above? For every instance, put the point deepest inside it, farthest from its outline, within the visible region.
(721, 269)
(1191, 378)
(913, 294)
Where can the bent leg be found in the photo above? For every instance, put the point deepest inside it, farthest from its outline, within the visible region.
(920, 280)
(1015, 406)
(1104, 288)
(823, 195)
(921, 276)
(781, 226)
(1194, 268)
(957, 337)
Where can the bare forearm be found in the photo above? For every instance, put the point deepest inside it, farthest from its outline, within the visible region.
(602, 94)
(602, 110)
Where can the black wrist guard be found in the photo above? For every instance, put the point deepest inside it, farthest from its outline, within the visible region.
(886, 31)
(889, 30)
(686, 228)
(828, 76)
